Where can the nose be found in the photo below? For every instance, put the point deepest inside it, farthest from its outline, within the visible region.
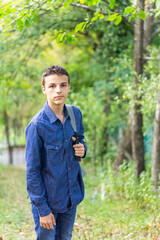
(58, 89)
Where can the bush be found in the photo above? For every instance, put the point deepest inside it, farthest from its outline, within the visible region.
(126, 185)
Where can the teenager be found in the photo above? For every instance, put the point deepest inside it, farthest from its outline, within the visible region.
(53, 174)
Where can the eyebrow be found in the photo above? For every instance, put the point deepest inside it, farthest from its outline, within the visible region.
(56, 83)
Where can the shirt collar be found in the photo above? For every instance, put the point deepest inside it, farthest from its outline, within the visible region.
(52, 117)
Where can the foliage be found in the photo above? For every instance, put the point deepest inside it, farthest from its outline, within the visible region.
(125, 185)
(97, 53)
(86, 59)
(23, 15)
(147, 90)
(94, 120)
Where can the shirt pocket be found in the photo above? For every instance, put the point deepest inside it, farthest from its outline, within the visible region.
(55, 153)
(50, 139)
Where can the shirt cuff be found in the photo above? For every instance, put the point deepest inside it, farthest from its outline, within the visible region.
(85, 147)
(43, 210)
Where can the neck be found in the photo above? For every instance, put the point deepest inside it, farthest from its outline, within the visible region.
(57, 109)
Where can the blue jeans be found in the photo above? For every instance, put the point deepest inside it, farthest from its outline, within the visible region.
(63, 228)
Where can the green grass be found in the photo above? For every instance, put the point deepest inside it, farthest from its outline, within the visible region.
(114, 218)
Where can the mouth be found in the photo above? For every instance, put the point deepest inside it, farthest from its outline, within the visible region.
(58, 97)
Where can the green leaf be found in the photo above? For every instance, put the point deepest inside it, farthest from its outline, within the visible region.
(89, 24)
(107, 10)
(118, 20)
(97, 13)
(101, 16)
(142, 14)
(135, 15)
(94, 18)
(9, 10)
(67, 3)
(112, 17)
(112, 4)
(92, 2)
(62, 37)
(80, 26)
(130, 18)
(35, 17)
(129, 9)
(82, 1)
(69, 38)
(27, 24)
(20, 24)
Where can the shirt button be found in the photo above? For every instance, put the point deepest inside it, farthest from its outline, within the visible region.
(69, 168)
(70, 193)
(70, 180)
(56, 147)
(66, 140)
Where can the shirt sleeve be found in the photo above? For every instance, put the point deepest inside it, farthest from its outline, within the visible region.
(35, 184)
(81, 136)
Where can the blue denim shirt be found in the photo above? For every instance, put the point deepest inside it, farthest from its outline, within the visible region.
(54, 178)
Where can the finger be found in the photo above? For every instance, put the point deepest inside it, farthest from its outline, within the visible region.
(53, 219)
(51, 226)
(79, 145)
(79, 152)
(79, 149)
(74, 139)
(43, 225)
(78, 155)
(47, 226)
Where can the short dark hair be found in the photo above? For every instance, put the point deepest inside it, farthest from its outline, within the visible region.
(54, 70)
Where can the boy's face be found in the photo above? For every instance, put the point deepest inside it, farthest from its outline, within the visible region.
(56, 89)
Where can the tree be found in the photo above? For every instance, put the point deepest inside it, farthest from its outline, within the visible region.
(156, 145)
(137, 122)
(115, 13)
(144, 35)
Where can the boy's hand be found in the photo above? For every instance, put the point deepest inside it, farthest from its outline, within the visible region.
(47, 221)
(78, 148)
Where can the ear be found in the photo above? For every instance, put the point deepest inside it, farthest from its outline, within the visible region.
(43, 89)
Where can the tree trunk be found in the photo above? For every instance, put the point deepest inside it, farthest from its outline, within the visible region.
(124, 149)
(156, 145)
(148, 38)
(148, 24)
(141, 42)
(6, 120)
(103, 145)
(137, 121)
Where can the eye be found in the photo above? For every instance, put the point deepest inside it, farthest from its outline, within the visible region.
(52, 86)
(64, 85)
